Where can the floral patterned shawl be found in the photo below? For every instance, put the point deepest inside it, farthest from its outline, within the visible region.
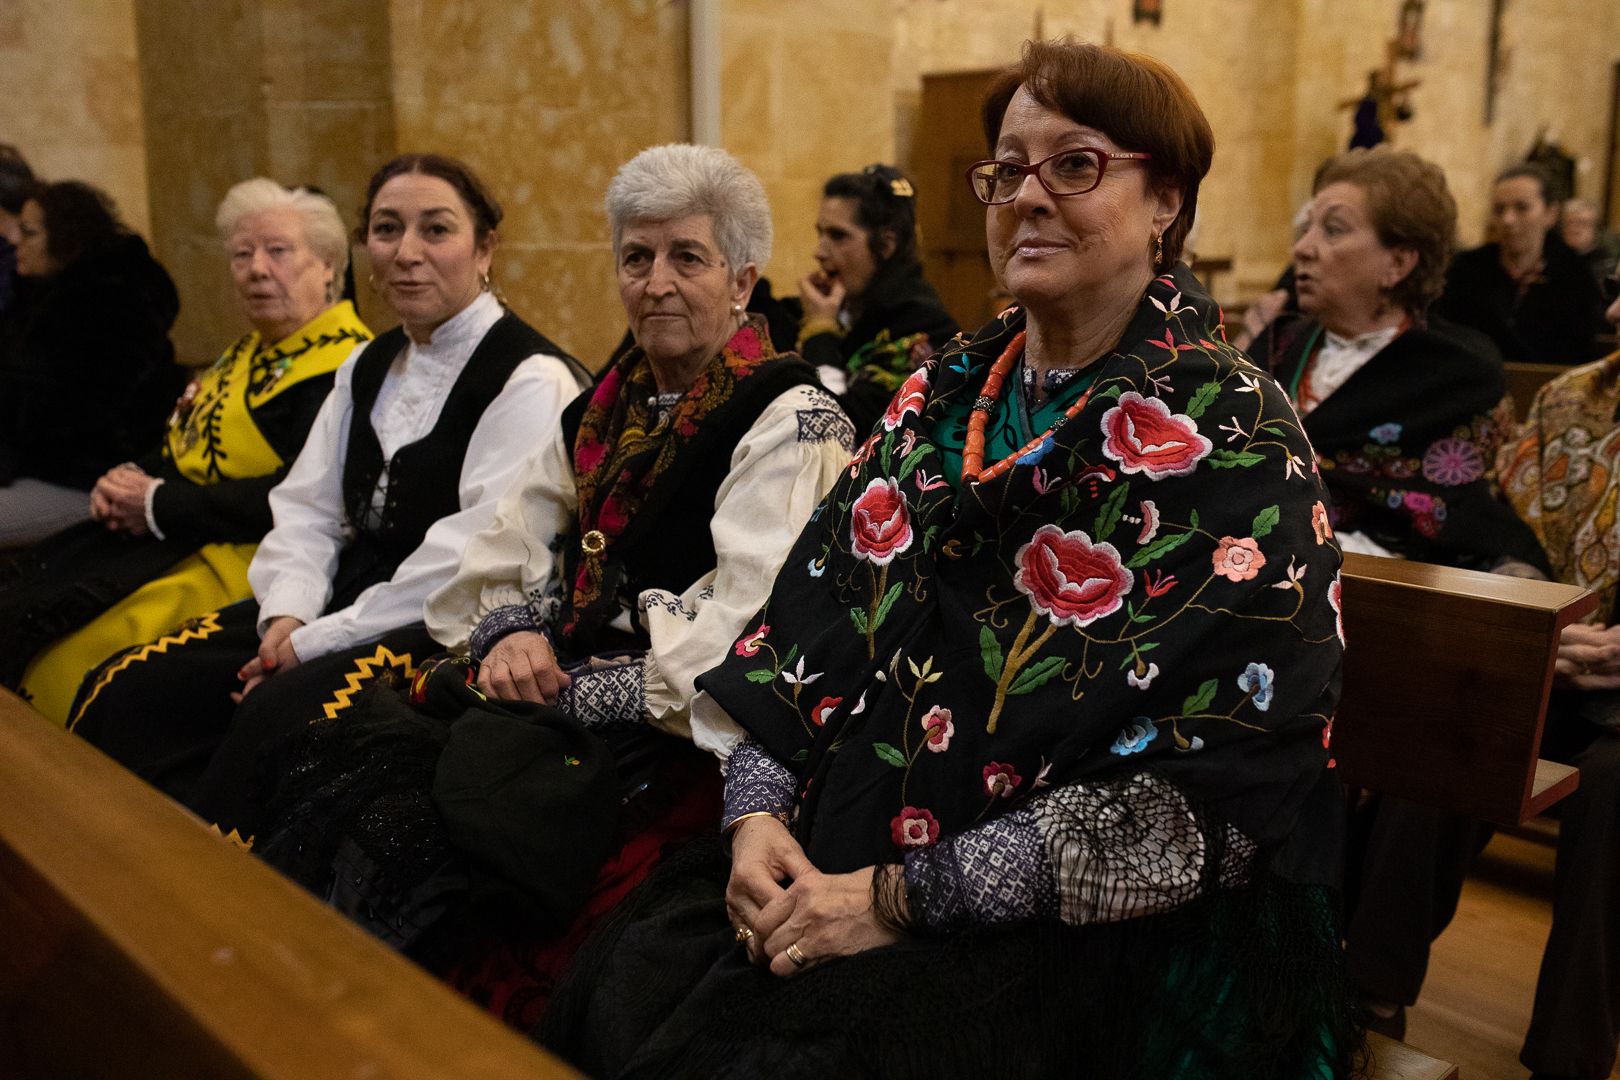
(1406, 445)
(1153, 589)
(1562, 475)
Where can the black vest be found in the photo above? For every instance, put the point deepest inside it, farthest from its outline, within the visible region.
(423, 477)
(669, 546)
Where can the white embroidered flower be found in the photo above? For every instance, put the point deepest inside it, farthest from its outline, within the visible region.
(1144, 681)
(797, 677)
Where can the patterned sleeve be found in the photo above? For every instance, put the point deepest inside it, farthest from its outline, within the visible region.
(1083, 853)
(607, 694)
(755, 783)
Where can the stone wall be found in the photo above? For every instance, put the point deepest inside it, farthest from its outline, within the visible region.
(71, 86)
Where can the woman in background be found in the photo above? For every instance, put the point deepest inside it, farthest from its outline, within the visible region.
(87, 372)
(869, 317)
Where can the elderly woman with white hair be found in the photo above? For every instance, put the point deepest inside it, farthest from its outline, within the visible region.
(623, 563)
(173, 533)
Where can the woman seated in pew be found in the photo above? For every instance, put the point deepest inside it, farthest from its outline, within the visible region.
(622, 564)
(1562, 475)
(1402, 407)
(869, 317)
(174, 532)
(424, 429)
(1027, 769)
(87, 372)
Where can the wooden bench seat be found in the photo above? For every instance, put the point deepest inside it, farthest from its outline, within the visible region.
(136, 943)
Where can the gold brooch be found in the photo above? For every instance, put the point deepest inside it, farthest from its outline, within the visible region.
(593, 542)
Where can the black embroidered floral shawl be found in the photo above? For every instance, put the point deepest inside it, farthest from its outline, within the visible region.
(1151, 588)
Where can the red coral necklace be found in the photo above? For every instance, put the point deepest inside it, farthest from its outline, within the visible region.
(973, 470)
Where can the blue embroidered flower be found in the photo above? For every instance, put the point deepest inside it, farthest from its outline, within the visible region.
(1135, 738)
(1395, 500)
(817, 567)
(1256, 681)
(1385, 434)
(1039, 452)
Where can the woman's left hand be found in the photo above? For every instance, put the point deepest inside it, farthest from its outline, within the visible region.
(119, 500)
(824, 915)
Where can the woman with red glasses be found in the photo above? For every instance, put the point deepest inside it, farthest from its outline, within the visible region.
(1027, 771)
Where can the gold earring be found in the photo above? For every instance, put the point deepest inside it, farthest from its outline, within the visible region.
(371, 279)
(487, 286)
(1158, 251)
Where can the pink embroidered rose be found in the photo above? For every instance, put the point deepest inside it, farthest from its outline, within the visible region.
(911, 396)
(1320, 523)
(823, 709)
(879, 523)
(1144, 436)
(745, 343)
(937, 723)
(1238, 560)
(1068, 578)
(1335, 600)
(749, 646)
(912, 827)
(1001, 780)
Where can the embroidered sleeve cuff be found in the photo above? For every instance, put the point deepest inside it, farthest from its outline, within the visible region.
(151, 518)
(756, 783)
(497, 624)
(994, 874)
(613, 696)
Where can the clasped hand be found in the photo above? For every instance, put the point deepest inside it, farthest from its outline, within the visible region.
(1589, 657)
(118, 500)
(522, 667)
(776, 893)
(275, 654)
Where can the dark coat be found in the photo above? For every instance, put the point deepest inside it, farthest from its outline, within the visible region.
(1555, 321)
(87, 372)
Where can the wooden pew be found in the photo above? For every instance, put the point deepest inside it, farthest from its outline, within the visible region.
(1523, 380)
(1446, 678)
(135, 944)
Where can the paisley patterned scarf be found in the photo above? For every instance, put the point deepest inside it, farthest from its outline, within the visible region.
(626, 445)
(1562, 475)
(1151, 588)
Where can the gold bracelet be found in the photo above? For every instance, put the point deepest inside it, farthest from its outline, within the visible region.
(732, 826)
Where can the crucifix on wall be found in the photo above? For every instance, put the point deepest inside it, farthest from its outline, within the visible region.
(1385, 103)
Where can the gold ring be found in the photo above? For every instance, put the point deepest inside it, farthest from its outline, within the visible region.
(743, 933)
(795, 954)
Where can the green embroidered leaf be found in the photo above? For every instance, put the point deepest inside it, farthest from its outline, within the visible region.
(1158, 549)
(1274, 428)
(1036, 675)
(858, 617)
(913, 458)
(1112, 392)
(1197, 703)
(1201, 400)
(928, 537)
(1108, 515)
(990, 651)
(760, 675)
(801, 755)
(885, 604)
(1233, 459)
(793, 650)
(1192, 520)
(890, 755)
(1069, 500)
(1264, 521)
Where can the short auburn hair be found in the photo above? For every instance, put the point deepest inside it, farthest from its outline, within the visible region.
(1409, 206)
(1135, 100)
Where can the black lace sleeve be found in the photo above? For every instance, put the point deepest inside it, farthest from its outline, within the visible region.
(1082, 853)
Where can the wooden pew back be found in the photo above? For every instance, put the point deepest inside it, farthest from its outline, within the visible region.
(1446, 678)
(1523, 380)
(135, 943)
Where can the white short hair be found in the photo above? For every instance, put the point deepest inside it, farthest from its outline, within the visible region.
(323, 227)
(679, 180)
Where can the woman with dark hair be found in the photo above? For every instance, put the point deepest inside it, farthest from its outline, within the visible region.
(87, 372)
(425, 428)
(1027, 751)
(174, 531)
(1401, 406)
(16, 181)
(1526, 290)
(869, 317)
